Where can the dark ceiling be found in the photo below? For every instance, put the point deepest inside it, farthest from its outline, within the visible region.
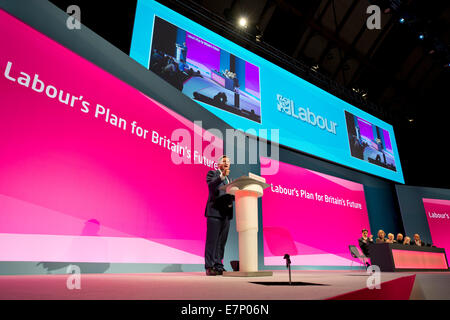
(389, 72)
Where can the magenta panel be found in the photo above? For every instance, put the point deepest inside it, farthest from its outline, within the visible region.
(404, 259)
(77, 182)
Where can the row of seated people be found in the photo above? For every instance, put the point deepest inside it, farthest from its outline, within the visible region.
(381, 238)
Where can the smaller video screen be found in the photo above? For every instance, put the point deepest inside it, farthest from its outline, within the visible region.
(311, 216)
(205, 72)
(369, 142)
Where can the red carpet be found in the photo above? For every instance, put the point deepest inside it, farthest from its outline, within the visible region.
(397, 289)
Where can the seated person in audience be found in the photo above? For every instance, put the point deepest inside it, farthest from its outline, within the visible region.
(417, 241)
(399, 238)
(381, 235)
(407, 241)
(364, 241)
(390, 238)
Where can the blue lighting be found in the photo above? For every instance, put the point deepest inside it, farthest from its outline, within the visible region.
(402, 20)
(421, 36)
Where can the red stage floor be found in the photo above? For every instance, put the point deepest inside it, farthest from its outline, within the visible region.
(315, 285)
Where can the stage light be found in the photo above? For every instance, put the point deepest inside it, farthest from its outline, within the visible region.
(421, 36)
(402, 20)
(243, 22)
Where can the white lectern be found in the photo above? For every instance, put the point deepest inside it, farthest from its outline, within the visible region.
(247, 190)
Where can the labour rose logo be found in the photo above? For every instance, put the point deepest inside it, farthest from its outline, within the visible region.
(284, 104)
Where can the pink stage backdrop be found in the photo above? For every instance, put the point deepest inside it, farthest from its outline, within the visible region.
(311, 216)
(80, 178)
(404, 259)
(438, 216)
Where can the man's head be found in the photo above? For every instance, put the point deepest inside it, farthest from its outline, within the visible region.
(223, 163)
(364, 232)
(399, 237)
(416, 237)
(407, 240)
(381, 234)
(390, 236)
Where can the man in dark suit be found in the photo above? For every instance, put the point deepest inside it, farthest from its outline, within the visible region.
(364, 243)
(417, 241)
(219, 212)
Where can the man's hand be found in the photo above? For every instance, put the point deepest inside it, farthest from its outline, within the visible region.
(226, 172)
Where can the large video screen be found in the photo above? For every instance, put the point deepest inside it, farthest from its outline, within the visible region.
(205, 72)
(311, 216)
(438, 217)
(251, 93)
(91, 169)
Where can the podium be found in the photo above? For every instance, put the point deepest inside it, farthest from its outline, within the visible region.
(247, 190)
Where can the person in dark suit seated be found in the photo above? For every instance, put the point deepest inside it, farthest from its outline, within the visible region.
(364, 241)
(381, 237)
(417, 241)
(219, 212)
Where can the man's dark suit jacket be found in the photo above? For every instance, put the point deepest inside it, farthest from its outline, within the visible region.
(364, 245)
(422, 244)
(220, 204)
